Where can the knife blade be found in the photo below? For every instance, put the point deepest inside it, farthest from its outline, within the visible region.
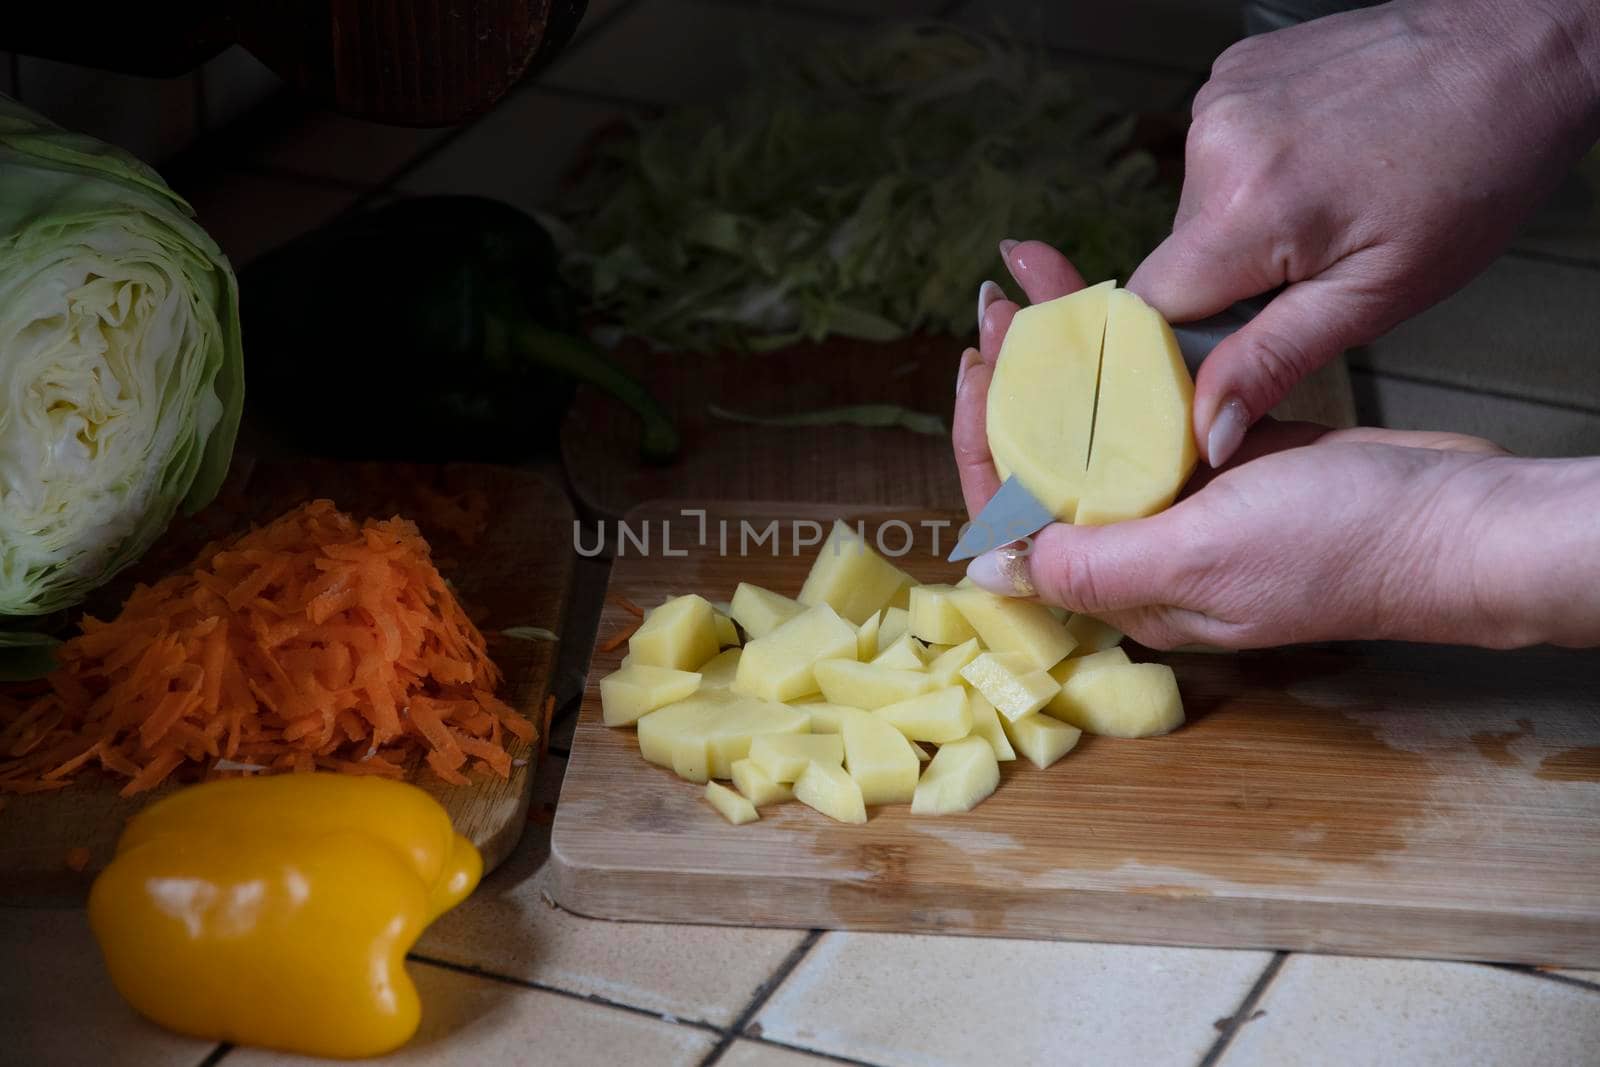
(1014, 513)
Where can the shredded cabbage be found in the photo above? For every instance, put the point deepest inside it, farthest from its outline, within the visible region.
(857, 189)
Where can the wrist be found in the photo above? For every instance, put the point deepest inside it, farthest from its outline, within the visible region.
(1528, 567)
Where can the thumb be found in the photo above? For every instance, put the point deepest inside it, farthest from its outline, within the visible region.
(1199, 270)
(1307, 325)
(1093, 569)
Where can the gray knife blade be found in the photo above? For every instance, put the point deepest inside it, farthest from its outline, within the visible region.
(1014, 513)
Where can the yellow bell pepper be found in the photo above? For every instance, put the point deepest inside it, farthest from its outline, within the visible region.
(278, 911)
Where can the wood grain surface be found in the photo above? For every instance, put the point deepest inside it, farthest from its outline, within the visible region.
(517, 572)
(1379, 799)
(729, 460)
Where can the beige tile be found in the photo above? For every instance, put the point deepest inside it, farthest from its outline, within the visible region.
(901, 999)
(1523, 328)
(467, 1019)
(57, 1005)
(1345, 1011)
(1179, 33)
(233, 82)
(519, 152)
(759, 1054)
(1525, 427)
(329, 145)
(682, 51)
(695, 973)
(249, 214)
(150, 117)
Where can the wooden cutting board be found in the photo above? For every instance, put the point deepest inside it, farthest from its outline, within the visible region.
(1378, 799)
(516, 572)
(725, 459)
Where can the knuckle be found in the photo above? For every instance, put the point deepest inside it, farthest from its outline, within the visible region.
(1278, 363)
(1063, 574)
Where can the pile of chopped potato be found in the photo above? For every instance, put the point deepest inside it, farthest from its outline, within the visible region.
(834, 694)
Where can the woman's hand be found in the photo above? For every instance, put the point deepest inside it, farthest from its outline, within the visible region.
(1309, 534)
(1372, 162)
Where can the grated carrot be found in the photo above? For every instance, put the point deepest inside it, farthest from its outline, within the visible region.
(629, 606)
(313, 642)
(616, 640)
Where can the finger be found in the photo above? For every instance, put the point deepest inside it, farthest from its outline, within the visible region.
(969, 436)
(992, 328)
(1440, 441)
(1201, 269)
(1043, 273)
(1093, 569)
(1245, 376)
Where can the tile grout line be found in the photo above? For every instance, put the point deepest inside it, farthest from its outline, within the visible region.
(763, 993)
(216, 1055)
(542, 987)
(1548, 976)
(1241, 1016)
(1498, 394)
(1558, 259)
(816, 1054)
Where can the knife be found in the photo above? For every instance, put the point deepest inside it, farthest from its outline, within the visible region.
(1014, 513)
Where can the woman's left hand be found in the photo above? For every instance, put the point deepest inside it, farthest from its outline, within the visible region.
(1308, 534)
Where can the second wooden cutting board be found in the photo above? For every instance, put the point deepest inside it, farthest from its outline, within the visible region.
(1382, 799)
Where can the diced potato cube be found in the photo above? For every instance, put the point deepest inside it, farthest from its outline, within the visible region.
(779, 665)
(933, 618)
(735, 808)
(691, 758)
(945, 669)
(721, 718)
(727, 632)
(1092, 635)
(827, 788)
(1007, 625)
(829, 718)
(867, 637)
(880, 759)
(851, 578)
(1041, 739)
(679, 634)
(940, 717)
(636, 690)
(895, 622)
(1062, 707)
(784, 756)
(1122, 700)
(905, 654)
(757, 785)
(868, 685)
(720, 670)
(962, 774)
(761, 611)
(986, 724)
(1010, 682)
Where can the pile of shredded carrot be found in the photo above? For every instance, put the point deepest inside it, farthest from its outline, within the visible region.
(315, 642)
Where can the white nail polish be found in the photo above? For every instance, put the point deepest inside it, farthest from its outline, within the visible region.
(988, 293)
(1003, 572)
(1227, 432)
(1006, 246)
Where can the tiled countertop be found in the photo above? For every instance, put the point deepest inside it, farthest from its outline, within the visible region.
(508, 978)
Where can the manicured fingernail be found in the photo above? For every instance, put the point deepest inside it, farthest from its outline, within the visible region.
(988, 293)
(1005, 248)
(1227, 432)
(1003, 572)
(968, 358)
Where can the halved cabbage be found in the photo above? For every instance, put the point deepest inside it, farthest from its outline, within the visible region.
(121, 376)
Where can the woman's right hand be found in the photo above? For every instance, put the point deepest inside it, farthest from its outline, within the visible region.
(1371, 162)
